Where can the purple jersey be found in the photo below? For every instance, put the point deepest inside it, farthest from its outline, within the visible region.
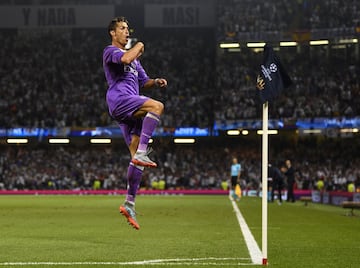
(124, 82)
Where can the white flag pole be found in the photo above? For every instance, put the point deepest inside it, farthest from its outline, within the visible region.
(265, 181)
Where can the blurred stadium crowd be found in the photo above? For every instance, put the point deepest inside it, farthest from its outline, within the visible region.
(55, 79)
(257, 16)
(323, 87)
(180, 167)
(52, 80)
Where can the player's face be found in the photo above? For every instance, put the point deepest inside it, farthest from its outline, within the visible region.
(121, 34)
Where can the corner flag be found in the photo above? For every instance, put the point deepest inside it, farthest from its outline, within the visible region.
(271, 81)
(274, 75)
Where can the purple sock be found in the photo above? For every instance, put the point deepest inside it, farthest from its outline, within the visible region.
(134, 178)
(149, 124)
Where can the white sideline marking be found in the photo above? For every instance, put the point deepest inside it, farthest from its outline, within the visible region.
(165, 262)
(254, 250)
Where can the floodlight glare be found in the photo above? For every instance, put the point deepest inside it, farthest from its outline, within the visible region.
(319, 42)
(229, 45)
(184, 140)
(100, 141)
(60, 141)
(17, 141)
(259, 44)
(233, 132)
(288, 44)
(270, 132)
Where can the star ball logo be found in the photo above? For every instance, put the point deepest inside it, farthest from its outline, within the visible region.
(273, 67)
(267, 71)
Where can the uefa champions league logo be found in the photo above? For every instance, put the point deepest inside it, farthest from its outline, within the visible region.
(267, 71)
(273, 68)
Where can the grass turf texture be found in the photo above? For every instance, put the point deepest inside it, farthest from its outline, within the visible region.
(90, 229)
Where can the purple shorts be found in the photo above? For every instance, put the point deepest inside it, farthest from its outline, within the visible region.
(130, 127)
(125, 106)
(123, 114)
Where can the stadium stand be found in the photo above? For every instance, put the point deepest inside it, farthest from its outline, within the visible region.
(181, 167)
(48, 80)
(56, 87)
(322, 87)
(258, 19)
(54, 78)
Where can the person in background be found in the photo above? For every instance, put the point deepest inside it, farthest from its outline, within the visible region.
(277, 182)
(290, 176)
(235, 177)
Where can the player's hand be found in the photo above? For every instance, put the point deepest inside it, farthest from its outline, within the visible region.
(260, 83)
(140, 47)
(160, 82)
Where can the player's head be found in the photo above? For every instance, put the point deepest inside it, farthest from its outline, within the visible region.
(234, 160)
(118, 30)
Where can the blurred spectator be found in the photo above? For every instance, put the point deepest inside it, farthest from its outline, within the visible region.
(180, 167)
(48, 80)
(251, 17)
(54, 78)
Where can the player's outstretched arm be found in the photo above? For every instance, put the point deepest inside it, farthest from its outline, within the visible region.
(157, 82)
(133, 53)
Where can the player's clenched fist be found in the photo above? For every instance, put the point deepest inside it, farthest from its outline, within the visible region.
(160, 82)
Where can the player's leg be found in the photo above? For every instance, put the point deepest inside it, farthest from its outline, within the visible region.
(151, 110)
(292, 192)
(134, 107)
(272, 189)
(130, 132)
(134, 176)
(129, 114)
(232, 186)
(288, 193)
(134, 173)
(279, 191)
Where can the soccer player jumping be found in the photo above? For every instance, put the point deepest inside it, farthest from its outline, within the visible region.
(136, 115)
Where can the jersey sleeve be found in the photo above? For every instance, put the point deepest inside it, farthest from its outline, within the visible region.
(113, 55)
(142, 77)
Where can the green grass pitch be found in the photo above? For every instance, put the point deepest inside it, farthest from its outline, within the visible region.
(178, 231)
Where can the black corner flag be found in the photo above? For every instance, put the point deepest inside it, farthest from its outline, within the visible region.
(274, 76)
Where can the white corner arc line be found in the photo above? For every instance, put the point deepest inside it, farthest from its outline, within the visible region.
(254, 250)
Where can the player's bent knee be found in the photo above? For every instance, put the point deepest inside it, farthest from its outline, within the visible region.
(158, 107)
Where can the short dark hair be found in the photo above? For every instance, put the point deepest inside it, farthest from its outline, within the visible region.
(113, 23)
